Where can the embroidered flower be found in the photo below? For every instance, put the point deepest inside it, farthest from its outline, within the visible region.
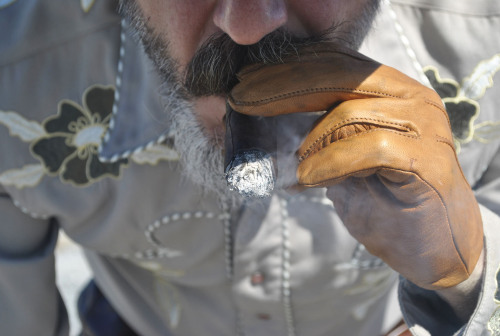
(462, 102)
(70, 148)
(462, 110)
(494, 322)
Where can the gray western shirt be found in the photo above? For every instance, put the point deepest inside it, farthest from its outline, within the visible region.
(86, 148)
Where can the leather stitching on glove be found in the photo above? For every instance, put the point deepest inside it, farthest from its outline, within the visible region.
(309, 91)
(396, 127)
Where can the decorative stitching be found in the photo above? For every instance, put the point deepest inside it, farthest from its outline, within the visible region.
(225, 217)
(310, 90)
(364, 264)
(118, 84)
(407, 46)
(29, 213)
(433, 103)
(440, 108)
(159, 251)
(127, 153)
(445, 141)
(345, 123)
(303, 157)
(285, 269)
(318, 200)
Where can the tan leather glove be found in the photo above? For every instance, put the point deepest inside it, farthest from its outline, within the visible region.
(385, 151)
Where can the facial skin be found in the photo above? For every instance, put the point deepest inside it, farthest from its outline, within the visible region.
(199, 45)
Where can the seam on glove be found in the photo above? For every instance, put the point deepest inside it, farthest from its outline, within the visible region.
(447, 222)
(308, 91)
(445, 140)
(440, 108)
(310, 150)
(345, 123)
(449, 143)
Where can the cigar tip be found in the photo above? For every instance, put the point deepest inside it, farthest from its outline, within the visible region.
(251, 174)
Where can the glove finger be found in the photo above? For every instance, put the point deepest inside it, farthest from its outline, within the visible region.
(315, 80)
(361, 136)
(360, 156)
(359, 116)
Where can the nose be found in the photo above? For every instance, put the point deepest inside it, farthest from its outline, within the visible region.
(247, 21)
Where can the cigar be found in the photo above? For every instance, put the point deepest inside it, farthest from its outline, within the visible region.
(250, 154)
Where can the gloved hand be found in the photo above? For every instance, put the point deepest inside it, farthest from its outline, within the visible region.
(386, 154)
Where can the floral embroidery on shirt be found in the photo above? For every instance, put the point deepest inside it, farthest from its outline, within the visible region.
(70, 147)
(462, 111)
(461, 101)
(494, 322)
(67, 144)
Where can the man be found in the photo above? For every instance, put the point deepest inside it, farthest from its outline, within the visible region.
(94, 152)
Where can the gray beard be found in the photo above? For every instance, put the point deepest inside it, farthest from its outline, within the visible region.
(201, 152)
(201, 156)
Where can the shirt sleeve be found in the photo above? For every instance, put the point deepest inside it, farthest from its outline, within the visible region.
(427, 314)
(30, 303)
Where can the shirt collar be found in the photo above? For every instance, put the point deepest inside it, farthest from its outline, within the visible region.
(138, 120)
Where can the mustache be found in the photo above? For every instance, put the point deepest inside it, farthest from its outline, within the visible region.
(213, 68)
